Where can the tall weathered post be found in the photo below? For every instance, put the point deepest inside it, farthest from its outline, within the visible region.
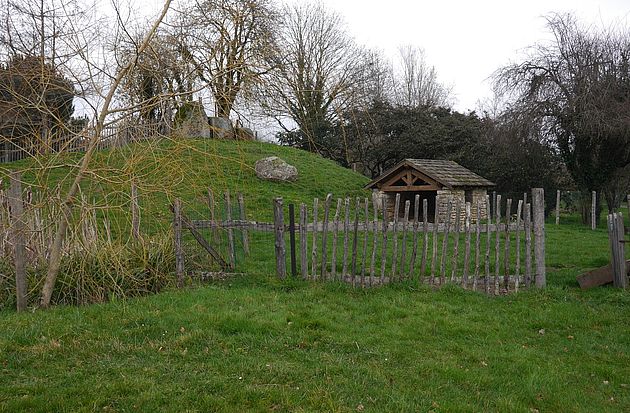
(18, 236)
(593, 212)
(538, 205)
(278, 225)
(179, 252)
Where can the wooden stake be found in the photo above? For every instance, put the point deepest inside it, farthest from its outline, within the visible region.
(558, 207)
(425, 242)
(278, 220)
(434, 251)
(403, 252)
(477, 245)
(366, 216)
(415, 225)
(593, 210)
(395, 237)
(519, 222)
(528, 245)
(497, 246)
(325, 236)
(303, 242)
(18, 227)
(346, 229)
(135, 212)
(538, 199)
(506, 257)
(230, 232)
(384, 244)
(355, 239)
(454, 262)
(333, 264)
(467, 247)
(179, 252)
(447, 228)
(242, 216)
(314, 244)
(488, 241)
(374, 237)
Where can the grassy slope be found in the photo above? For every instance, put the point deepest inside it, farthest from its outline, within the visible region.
(255, 344)
(186, 169)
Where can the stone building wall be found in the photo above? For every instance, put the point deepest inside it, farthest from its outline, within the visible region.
(459, 196)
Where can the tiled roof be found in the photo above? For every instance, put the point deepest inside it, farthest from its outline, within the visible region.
(448, 173)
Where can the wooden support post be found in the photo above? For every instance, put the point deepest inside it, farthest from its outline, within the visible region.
(447, 228)
(558, 207)
(314, 245)
(621, 278)
(278, 225)
(384, 243)
(243, 217)
(434, 250)
(403, 249)
(355, 239)
(618, 262)
(497, 246)
(230, 231)
(628, 204)
(467, 245)
(477, 245)
(179, 252)
(425, 242)
(506, 257)
(366, 217)
(18, 227)
(538, 200)
(528, 245)
(215, 232)
(346, 229)
(395, 237)
(593, 210)
(488, 241)
(414, 241)
(374, 237)
(135, 212)
(333, 263)
(455, 259)
(303, 242)
(325, 236)
(517, 246)
(292, 240)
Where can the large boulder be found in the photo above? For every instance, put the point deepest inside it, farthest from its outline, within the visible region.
(221, 128)
(275, 169)
(192, 122)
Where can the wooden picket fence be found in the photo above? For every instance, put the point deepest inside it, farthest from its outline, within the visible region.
(363, 247)
(616, 236)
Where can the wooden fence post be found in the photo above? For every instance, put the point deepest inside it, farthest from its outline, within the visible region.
(558, 207)
(617, 249)
(538, 204)
(292, 239)
(230, 231)
(325, 236)
(593, 207)
(19, 241)
(135, 212)
(179, 253)
(278, 225)
(242, 217)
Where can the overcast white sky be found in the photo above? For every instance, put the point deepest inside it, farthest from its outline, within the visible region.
(466, 40)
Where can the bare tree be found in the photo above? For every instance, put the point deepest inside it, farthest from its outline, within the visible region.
(319, 69)
(106, 110)
(416, 83)
(575, 88)
(227, 41)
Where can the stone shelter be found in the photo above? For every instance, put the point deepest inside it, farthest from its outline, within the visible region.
(436, 180)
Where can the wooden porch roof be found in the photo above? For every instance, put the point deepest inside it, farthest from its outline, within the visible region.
(427, 175)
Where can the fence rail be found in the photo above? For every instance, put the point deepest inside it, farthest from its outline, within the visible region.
(357, 242)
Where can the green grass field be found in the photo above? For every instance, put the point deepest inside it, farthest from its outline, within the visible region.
(253, 343)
